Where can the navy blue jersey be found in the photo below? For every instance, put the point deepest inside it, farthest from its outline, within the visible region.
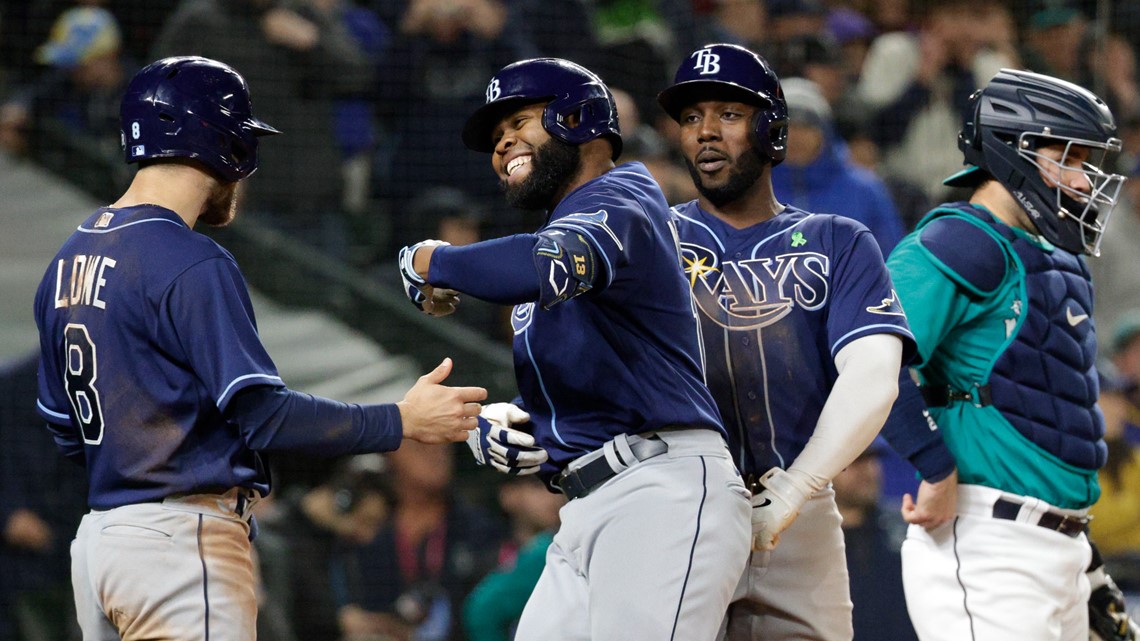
(147, 333)
(623, 357)
(777, 302)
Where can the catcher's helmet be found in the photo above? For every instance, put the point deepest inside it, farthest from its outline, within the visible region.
(196, 108)
(570, 89)
(1017, 113)
(731, 72)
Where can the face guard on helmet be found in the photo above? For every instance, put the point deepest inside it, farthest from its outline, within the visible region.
(192, 107)
(731, 72)
(1019, 113)
(570, 91)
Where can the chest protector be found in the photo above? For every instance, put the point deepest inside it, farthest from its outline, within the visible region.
(1045, 382)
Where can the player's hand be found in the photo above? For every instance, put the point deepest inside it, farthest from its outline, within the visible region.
(504, 448)
(776, 506)
(440, 302)
(937, 503)
(416, 286)
(434, 413)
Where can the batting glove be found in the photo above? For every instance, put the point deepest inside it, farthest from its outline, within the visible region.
(504, 448)
(413, 282)
(776, 506)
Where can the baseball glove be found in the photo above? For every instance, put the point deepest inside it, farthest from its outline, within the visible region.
(1108, 617)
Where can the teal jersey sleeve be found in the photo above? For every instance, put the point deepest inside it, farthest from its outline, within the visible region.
(933, 303)
(497, 601)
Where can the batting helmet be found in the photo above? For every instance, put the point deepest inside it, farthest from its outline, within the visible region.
(1017, 113)
(733, 72)
(572, 90)
(192, 107)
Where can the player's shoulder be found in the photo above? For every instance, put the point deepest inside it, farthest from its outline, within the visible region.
(838, 230)
(961, 244)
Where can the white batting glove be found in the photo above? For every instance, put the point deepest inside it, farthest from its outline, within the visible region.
(776, 506)
(414, 284)
(504, 448)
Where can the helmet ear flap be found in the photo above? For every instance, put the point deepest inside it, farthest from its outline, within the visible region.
(971, 135)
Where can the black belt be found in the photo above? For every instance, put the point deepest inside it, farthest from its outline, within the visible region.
(583, 479)
(1070, 526)
(943, 395)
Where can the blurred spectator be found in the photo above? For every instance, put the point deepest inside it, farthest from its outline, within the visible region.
(643, 143)
(1062, 41)
(433, 76)
(631, 44)
(915, 86)
(354, 114)
(299, 59)
(788, 19)
(68, 118)
(298, 532)
(853, 32)
(1114, 271)
(873, 538)
(494, 606)
(1126, 345)
(1115, 524)
(410, 581)
(42, 498)
(817, 174)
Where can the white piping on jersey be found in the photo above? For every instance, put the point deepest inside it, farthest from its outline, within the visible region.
(542, 386)
(125, 225)
(702, 225)
(45, 410)
(226, 392)
(605, 258)
(897, 330)
(767, 398)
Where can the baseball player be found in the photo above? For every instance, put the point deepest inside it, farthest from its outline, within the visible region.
(1001, 304)
(655, 532)
(153, 377)
(803, 340)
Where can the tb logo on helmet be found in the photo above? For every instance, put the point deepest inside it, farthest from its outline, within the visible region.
(493, 91)
(707, 62)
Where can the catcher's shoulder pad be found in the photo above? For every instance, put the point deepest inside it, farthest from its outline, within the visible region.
(966, 251)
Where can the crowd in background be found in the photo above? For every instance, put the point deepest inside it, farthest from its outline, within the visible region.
(372, 97)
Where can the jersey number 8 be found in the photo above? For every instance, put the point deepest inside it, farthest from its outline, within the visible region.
(79, 378)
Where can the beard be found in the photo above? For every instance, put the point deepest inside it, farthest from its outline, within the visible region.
(744, 173)
(552, 167)
(221, 207)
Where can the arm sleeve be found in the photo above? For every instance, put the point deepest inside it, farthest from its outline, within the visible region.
(208, 318)
(855, 409)
(499, 271)
(279, 419)
(912, 432)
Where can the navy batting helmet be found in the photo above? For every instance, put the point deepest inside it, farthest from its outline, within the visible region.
(572, 90)
(732, 72)
(1017, 113)
(192, 107)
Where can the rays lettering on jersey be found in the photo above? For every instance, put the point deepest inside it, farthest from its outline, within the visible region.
(87, 277)
(756, 292)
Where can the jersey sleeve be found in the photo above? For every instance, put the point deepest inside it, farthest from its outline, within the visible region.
(614, 225)
(863, 300)
(208, 313)
(932, 299)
